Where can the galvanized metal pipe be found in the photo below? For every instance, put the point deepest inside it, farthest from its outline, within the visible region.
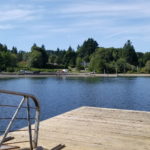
(11, 122)
(29, 124)
(37, 115)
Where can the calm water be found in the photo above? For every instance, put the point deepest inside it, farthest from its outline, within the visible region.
(58, 95)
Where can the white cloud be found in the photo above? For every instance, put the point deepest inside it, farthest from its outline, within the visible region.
(6, 27)
(106, 19)
(92, 8)
(15, 14)
(18, 12)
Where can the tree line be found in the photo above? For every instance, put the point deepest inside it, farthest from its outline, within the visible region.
(88, 56)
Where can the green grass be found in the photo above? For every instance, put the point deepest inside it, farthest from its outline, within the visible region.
(44, 70)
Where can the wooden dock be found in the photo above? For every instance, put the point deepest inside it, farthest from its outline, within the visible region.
(89, 128)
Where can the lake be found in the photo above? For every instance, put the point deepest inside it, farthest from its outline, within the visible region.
(59, 94)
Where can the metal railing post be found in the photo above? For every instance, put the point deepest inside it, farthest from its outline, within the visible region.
(26, 97)
(29, 123)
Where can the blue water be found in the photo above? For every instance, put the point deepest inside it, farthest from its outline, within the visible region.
(58, 95)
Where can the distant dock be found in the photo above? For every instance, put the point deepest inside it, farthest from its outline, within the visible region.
(89, 128)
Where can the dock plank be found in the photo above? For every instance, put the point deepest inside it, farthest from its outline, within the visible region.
(89, 128)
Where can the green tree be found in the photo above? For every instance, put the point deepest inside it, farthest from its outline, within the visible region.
(129, 53)
(121, 65)
(22, 56)
(146, 57)
(98, 61)
(38, 57)
(79, 63)
(140, 56)
(3, 48)
(14, 50)
(89, 46)
(7, 59)
(70, 57)
(111, 67)
(52, 59)
(147, 66)
(97, 64)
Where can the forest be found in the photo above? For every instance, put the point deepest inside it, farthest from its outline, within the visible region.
(89, 56)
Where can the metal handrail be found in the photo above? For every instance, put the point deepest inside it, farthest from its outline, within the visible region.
(26, 97)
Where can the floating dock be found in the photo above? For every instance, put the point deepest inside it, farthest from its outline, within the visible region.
(89, 128)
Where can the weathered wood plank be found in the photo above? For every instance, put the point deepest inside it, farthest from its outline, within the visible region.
(89, 128)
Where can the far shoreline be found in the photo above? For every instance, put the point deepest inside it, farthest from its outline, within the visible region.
(14, 75)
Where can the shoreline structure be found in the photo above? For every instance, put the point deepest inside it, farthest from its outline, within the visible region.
(53, 74)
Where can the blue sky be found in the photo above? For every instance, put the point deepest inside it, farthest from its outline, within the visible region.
(64, 23)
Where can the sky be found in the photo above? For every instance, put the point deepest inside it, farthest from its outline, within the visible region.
(64, 23)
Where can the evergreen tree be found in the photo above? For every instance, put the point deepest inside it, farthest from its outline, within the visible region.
(87, 49)
(38, 56)
(129, 53)
(146, 57)
(14, 50)
(70, 57)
